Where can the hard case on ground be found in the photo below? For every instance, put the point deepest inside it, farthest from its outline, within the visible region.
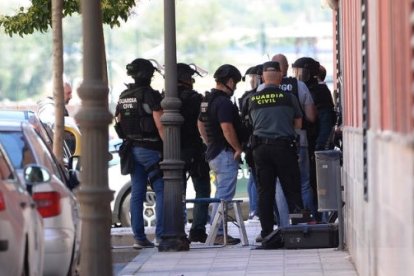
(310, 236)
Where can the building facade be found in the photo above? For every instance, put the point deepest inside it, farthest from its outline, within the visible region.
(374, 47)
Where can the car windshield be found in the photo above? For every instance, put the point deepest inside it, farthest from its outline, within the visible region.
(17, 148)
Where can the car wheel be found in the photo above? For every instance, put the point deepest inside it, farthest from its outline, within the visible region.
(149, 210)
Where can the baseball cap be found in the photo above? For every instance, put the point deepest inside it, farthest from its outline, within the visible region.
(271, 66)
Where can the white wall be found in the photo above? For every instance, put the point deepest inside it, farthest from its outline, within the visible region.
(380, 231)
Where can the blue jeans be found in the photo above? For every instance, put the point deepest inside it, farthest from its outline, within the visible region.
(252, 192)
(306, 189)
(225, 169)
(307, 192)
(143, 170)
(325, 125)
(198, 169)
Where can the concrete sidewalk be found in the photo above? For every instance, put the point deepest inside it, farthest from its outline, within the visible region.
(241, 260)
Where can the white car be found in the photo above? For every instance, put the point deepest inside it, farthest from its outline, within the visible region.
(21, 226)
(56, 203)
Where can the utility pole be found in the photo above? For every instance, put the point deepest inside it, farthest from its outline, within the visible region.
(174, 238)
(93, 117)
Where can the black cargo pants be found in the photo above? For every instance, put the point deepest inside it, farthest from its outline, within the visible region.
(276, 159)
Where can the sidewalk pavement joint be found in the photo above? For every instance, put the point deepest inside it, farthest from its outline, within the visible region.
(239, 260)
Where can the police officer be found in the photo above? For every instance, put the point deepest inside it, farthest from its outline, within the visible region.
(138, 114)
(193, 149)
(275, 114)
(300, 90)
(220, 127)
(307, 69)
(254, 74)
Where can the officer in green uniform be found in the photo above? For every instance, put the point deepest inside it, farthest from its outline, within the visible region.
(275, 114)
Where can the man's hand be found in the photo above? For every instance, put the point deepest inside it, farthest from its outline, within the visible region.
(237, 155)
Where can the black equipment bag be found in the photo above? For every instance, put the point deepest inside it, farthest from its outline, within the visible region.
(310, 236)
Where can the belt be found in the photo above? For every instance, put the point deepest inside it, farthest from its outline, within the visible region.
(273, 141)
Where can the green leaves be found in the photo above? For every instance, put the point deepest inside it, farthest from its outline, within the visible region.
(38, 16)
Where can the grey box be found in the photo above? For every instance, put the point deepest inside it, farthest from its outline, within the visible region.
(328, 177)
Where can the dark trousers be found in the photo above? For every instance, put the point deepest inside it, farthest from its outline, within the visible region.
(197, 168)
(278, 160)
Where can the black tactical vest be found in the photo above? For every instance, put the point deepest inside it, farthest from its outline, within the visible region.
(213, 128)
(137, 122)
(290, 84)
(190, 108)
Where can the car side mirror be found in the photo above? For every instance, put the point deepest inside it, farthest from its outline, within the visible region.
(34, 175)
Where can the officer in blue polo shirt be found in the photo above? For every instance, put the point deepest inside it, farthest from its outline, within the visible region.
(220, 127)
(275, 115)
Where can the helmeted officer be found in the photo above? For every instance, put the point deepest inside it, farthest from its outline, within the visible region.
(193, 149)
(220, 127)
(138, 114)
(307, 69)
(254, 74)
(275, 114)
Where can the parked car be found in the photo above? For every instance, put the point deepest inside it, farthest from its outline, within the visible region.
(72, 135)
(21, 226)
(121, 185)
(55, 202)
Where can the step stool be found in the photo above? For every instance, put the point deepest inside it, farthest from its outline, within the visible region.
(221, 216)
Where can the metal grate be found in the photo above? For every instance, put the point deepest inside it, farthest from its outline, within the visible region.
(365, 93)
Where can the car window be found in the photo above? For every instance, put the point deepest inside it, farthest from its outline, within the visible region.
(17, 148)
(42, 152)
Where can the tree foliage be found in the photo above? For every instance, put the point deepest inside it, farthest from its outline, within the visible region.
(38, 16)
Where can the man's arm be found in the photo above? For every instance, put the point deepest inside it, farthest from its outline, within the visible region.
(202, 130)
(157, 118)
(231, 137)
(306, 102)
(297, 123)
(310, 112)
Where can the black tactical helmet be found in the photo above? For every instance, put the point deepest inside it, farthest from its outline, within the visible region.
(140, 69)
(226, 72)
(185, 72)
(254, 70)
(307, 63)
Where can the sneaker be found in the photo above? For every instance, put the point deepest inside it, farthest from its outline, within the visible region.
(259, 238)
(230, 240)
(197, 236)
(142, 244)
